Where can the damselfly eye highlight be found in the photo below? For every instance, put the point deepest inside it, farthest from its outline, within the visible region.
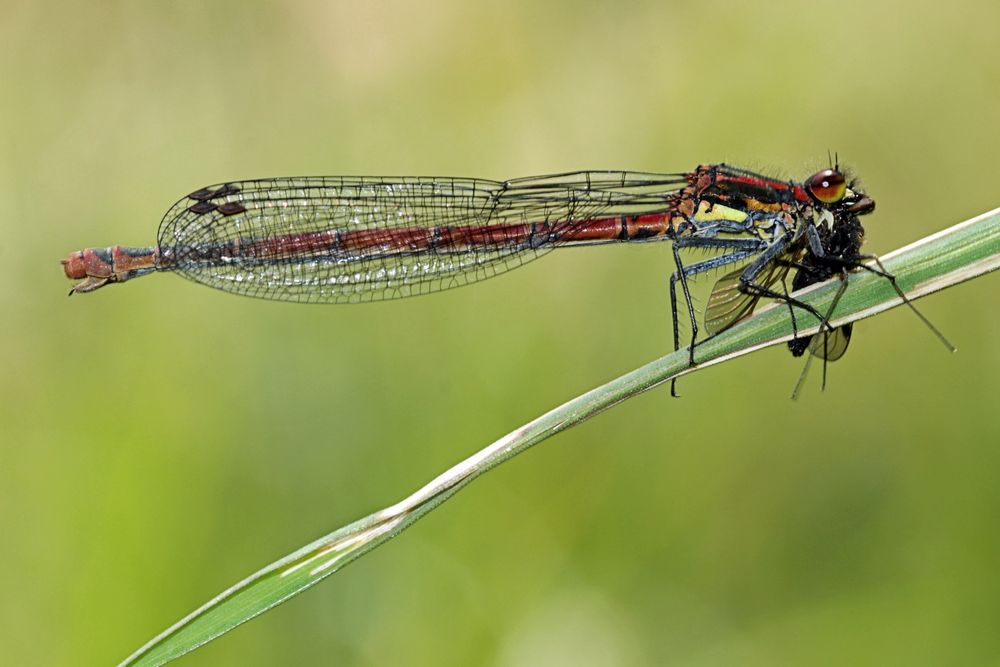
(828, 186)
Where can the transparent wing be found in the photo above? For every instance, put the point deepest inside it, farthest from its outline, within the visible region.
(350, 239)
(727, 305)
(833, 345)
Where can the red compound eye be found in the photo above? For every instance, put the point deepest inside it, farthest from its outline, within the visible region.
(828, 186)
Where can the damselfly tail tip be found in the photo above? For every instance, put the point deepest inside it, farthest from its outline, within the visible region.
(89, 284)
(97, 267)
(74, 266)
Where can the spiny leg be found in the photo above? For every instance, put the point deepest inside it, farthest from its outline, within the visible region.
(856, 262)
(786, 297)
(772, 254)
(756, 289)
(744, 248)
(687, 299)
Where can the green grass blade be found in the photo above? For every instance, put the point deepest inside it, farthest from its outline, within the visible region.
(962, 252)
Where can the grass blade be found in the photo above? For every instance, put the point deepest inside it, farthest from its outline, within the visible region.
(960, 253)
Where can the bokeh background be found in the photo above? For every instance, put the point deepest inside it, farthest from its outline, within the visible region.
(162, 440)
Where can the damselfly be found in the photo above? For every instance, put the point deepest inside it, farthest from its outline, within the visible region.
(355, 239)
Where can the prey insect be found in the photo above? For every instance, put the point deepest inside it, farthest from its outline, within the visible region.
(835, 250)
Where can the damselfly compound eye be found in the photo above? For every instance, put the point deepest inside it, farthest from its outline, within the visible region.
(828, 186)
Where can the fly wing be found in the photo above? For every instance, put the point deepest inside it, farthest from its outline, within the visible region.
(831, 346)
(350, 239)
(727, 305)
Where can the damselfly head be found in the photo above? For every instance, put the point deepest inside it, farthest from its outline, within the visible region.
(831, 191)
(827, 187)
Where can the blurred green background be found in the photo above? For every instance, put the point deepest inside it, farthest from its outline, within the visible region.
(162, 440)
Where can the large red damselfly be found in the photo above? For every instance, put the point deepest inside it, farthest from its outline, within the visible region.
(356, 239)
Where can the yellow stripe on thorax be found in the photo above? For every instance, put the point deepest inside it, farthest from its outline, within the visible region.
(710, 212)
